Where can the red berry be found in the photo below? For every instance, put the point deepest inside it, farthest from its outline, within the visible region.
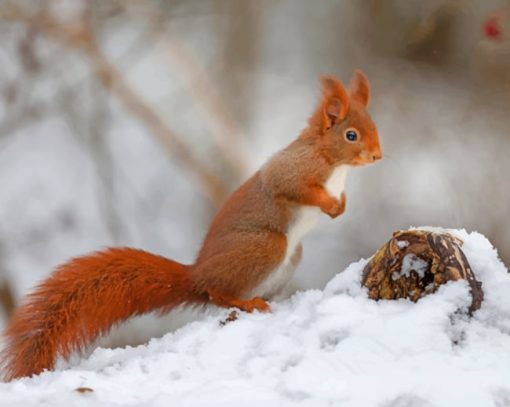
(491, 28)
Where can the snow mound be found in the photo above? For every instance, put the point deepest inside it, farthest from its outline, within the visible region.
(330, 347)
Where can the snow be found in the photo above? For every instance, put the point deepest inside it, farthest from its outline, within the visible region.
(318, 348)
(402, 244)
(410, 263)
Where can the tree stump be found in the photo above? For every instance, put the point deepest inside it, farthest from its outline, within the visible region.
(415, 263)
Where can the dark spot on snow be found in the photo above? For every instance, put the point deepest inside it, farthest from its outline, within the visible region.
(230, 318)
(84, 390)
(330, 339)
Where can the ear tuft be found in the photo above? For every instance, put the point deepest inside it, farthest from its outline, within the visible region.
(359, 88)
(335, 101)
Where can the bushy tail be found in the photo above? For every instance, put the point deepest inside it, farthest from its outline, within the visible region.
(83, 299)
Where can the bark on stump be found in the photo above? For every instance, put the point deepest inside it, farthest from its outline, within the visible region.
(415, 263)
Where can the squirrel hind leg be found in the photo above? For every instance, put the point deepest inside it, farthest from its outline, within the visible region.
(226, 301)
(244, 273)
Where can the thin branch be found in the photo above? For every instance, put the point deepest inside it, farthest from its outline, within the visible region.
(78, 36)
(227, 134)
(7, 301)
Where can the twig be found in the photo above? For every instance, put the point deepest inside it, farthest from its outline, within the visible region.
(79, 37)
(7, 301)
(227, 134)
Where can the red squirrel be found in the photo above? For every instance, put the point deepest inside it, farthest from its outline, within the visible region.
(249, 253)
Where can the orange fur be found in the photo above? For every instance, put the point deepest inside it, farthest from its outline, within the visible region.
(360, 88)
(84, 298)
(246, 245)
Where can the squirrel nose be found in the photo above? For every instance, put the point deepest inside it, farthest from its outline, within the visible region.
(377, 156)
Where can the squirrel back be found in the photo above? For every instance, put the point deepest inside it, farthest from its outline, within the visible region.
(249, 253)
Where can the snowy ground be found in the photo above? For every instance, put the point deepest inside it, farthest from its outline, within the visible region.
(330, 347)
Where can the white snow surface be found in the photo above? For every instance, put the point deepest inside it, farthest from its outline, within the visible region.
(318, 348)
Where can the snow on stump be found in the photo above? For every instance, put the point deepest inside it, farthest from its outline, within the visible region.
(415, 263)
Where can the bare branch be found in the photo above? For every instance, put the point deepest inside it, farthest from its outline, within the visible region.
(227, 134)
(78, 36)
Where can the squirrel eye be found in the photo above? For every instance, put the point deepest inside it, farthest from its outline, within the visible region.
(351, 135)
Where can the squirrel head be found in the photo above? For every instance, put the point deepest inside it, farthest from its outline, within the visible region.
(342, 125)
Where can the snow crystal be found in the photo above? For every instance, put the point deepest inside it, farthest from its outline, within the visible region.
(320, 347)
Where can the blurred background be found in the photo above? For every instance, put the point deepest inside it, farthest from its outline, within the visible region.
(128, 122)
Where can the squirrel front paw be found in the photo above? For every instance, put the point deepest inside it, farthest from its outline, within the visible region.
(334, 207)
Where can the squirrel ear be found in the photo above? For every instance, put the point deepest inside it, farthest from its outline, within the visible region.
(359, 88)
(335, 102)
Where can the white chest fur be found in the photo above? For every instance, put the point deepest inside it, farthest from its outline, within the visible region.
(335, 184)
(305, 219)
(308, 216)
